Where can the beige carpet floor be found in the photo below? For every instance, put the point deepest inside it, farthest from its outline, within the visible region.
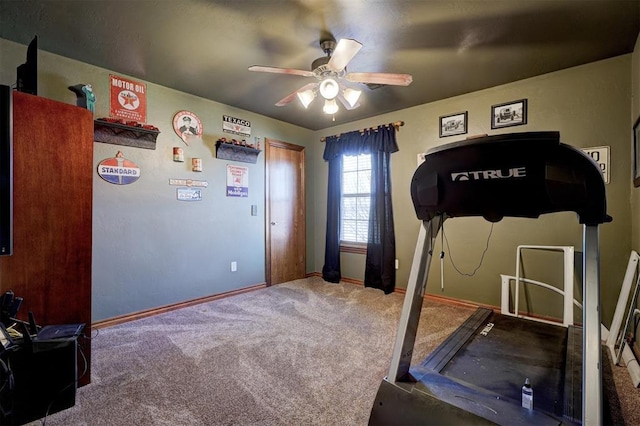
(300, 353)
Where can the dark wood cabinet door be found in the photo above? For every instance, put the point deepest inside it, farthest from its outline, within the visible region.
(52, 195)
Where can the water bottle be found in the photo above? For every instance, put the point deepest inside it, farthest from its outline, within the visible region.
(527, 395)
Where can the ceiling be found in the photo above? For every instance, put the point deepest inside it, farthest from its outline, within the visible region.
(204, 47)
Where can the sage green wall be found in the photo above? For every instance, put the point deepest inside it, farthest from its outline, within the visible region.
(149, 249)
(589, 105)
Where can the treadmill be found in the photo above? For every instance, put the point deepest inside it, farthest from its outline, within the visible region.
(476, 375)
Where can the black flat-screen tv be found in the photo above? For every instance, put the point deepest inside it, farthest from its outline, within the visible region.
(6, 170)
(27, 78)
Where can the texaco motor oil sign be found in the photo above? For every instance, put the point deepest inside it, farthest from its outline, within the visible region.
(128, 99)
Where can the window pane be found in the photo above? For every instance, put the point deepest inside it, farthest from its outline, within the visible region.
(349, 163)
(349, 208)
(350, 183)
(364, 162)
(356, 188)
(348, 230)
(363, 208)
(364, 182)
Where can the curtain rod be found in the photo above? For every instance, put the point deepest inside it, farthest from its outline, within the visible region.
(395, 124)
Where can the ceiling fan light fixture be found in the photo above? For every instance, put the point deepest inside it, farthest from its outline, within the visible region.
(330, 106)
(306, 97)
(329, 88)
(352, 96)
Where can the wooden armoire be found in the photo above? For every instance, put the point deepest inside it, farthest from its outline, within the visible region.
(52, 215)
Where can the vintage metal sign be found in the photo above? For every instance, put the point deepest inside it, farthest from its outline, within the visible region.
(187, 125)
(189, 182)
(118, 170)
(237, 181)
(128, 99)
(237, 126)
(189, 194)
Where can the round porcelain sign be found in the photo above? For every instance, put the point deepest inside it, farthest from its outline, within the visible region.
(118, 170)
(187, 125)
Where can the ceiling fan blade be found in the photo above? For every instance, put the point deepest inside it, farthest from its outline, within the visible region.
(276, 70)
(291, 96)
(380, 78)
(343, 54)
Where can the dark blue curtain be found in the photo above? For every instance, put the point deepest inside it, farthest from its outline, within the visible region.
(331, 268)
(380, 268)
(381, 252)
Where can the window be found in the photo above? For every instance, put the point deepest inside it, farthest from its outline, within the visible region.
(356, 194)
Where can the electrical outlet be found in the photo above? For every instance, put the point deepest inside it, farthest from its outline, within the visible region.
(234, 266)
(397, 264)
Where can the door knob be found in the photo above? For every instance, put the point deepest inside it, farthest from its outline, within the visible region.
(274, 223)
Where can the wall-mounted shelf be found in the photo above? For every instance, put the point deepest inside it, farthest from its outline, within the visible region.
(120, 134)
(229, 151)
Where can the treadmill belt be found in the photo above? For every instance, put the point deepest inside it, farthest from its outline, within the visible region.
(500, 357)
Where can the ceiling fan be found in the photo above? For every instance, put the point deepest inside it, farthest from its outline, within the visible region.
(331, 73)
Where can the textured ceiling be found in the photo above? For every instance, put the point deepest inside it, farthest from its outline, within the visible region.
(205, 47)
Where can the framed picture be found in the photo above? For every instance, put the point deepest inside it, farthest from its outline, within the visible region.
(512, 113)
(454, 124)
(636, 153)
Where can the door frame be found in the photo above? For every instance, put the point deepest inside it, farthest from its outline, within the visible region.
(269, 143)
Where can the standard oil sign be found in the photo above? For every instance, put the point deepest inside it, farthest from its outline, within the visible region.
(118, 170)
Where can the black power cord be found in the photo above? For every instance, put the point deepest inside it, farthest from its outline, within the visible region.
(444, 236)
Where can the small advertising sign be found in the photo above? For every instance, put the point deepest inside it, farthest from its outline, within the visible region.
(600, 155)
(189, 194)
(189, 182)
(118, 170)
(128, 99)
(237, 181)
(237, 126)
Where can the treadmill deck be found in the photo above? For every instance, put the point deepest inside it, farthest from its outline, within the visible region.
(500, 353)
